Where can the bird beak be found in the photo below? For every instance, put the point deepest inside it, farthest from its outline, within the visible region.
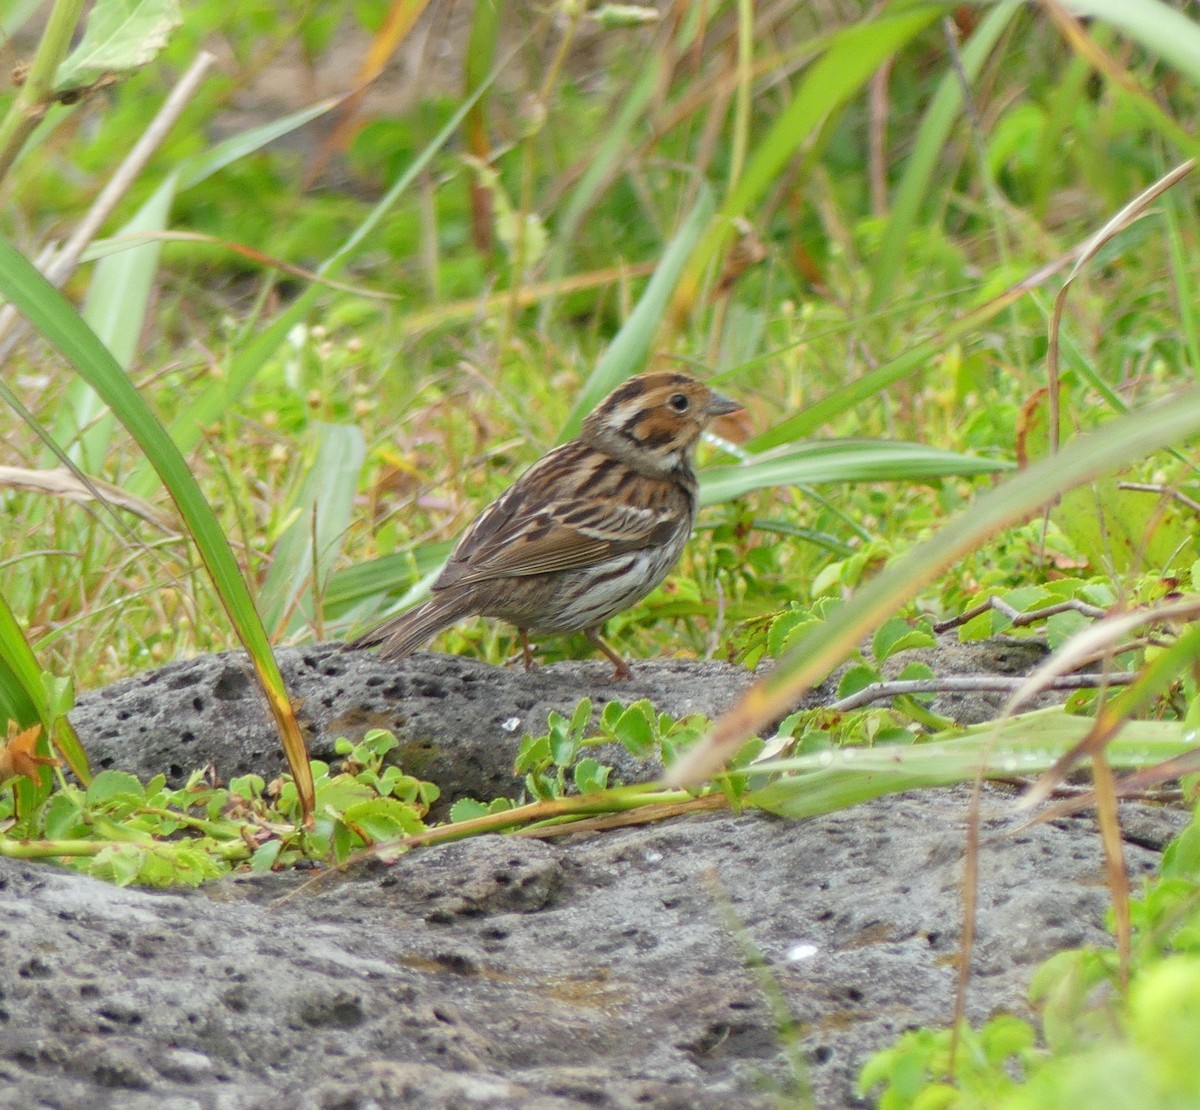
(720, 406)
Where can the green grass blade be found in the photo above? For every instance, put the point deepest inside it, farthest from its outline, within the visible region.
(1157, 26)
(1120, 442)
(845, 460)
(116, 311)
(914, 187)
(245, 364)
(629, 349)
(58, 322)
(854, 393)
(200, 167)
(354, 593)
(320, 516)
(24, 697)
(1027, 744)
(853, 55)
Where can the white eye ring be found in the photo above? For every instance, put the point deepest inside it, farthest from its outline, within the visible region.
(679, 402)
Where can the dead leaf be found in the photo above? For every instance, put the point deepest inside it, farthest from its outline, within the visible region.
(18, 755)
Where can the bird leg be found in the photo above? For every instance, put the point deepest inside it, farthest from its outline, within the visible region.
(526, 652)
(622, 668)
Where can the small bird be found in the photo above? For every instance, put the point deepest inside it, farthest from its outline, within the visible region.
(588, 530)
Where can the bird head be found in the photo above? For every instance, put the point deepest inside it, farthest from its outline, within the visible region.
(653, 421)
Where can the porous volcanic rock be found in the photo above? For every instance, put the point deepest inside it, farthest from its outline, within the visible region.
(611, 970)
(459, 721)
(626, 969)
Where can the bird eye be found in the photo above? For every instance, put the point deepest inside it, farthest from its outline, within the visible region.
(679, 402)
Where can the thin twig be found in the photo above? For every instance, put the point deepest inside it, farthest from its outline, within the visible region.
(971, 683)
(1016, 617)
(1164, 491)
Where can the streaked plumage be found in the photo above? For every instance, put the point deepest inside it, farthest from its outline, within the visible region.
(590, 529)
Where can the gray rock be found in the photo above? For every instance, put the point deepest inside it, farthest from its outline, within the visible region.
(459, 721)
(618, 970)
(603, 971)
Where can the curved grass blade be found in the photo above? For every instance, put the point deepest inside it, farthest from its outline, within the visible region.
(1022, 745)
(840, 460)
(1117, 444)
(928, 148)
(308, 546)
(1157, 26)
(630, 346)
(853, 55)
(56, 319)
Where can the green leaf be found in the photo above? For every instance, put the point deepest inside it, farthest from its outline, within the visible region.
(581, 718)
(383, 818)
(634, 728)
(63, 815)
(122, 862)
(856, 678)
(533, 754)
(1025, 744)
(121, 35)
(109, 786)
(564, 742)
(786, 628)
(915, 672)
(467, 809)
(590, 776)
(896, 635)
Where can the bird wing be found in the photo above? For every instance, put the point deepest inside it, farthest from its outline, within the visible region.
(530, 530)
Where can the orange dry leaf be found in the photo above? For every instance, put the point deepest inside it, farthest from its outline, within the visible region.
(18, 755)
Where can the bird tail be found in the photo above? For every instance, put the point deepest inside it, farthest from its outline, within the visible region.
(402, 635)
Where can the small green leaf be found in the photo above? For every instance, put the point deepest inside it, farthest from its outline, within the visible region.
(896, 634)
(916, 672)
(384, 819)
(591, 776)
(63, 816)
(109, 786)
(121, 35)
(610, 715)
(564, 743)
(857, 677)
(533, 753)
(581, 718)
(635, 728)
(380, 740)
(467, 809)
(785, 627)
